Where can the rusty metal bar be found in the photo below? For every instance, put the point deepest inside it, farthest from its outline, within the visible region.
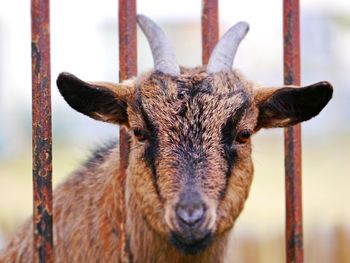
(210, 27)
(42, 140)
(127, 69)
(292, 141)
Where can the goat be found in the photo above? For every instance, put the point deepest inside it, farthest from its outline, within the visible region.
(190, 166)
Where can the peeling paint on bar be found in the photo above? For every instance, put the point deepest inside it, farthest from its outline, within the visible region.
(42, 136)
(294, 226)
(127, 69)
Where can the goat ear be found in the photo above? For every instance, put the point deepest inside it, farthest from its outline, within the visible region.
(101, 101)
(283, 107)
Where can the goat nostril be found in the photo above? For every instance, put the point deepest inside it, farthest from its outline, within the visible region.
(190, 214)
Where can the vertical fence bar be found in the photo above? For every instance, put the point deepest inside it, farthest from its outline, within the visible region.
(127, 69)
(42, 141)
(294, 226)
(210, 27)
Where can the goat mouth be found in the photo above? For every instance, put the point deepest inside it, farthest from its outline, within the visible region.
(190, 245)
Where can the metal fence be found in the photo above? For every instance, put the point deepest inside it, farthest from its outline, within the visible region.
(41, 110)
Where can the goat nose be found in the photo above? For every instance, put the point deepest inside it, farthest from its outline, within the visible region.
(190, 213)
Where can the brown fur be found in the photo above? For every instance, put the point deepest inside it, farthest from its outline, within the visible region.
(183, 119)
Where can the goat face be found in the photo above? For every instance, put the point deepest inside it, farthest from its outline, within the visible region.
(190, 164)
(191, 134)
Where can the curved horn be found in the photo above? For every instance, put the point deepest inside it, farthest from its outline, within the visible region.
(163, 56)
(225, 50)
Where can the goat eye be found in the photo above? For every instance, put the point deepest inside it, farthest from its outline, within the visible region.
(140, 135)
(243, 136)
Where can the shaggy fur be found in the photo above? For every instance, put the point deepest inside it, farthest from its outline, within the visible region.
(189, 137)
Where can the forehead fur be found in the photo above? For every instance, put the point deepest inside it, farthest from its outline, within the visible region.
(197, 78)
(193, 93)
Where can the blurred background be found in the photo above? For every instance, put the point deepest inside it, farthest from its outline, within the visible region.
(84, 41)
